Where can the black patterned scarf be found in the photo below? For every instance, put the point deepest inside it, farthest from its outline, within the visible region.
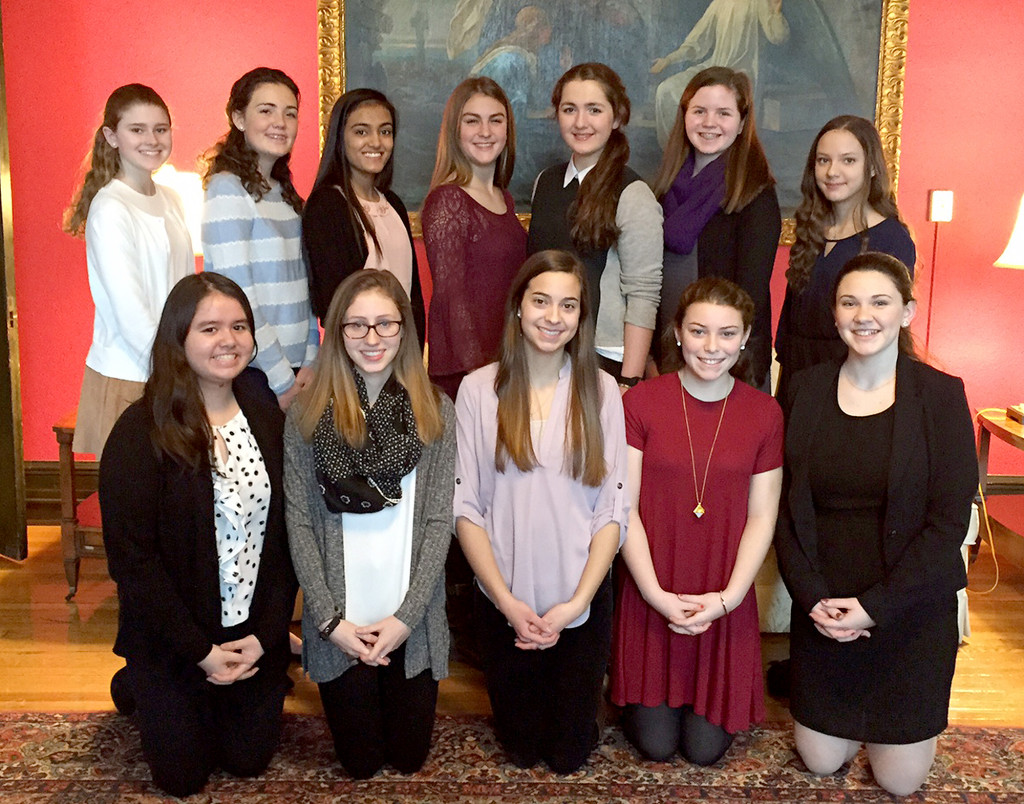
(363, 481)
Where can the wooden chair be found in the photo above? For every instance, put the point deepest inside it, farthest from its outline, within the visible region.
(81, 528)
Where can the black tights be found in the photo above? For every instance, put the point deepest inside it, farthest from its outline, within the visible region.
(657, 731)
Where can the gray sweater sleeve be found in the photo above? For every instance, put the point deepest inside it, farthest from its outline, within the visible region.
(304, 532)
(640, 218)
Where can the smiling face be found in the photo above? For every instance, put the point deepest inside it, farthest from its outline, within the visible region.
(870, 312)
(142, 140)
(369, 140)
(840, 167)
(711, 338)
(586, 120)
(713, 119)
(269, 123)
(483, 130)
(219, 343)
(372, 356)
(549, 313)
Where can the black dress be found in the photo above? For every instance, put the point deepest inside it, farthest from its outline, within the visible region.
(892, 687)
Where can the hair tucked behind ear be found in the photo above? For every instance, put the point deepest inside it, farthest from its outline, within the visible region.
(593, 212)
(814, 214)
(710, 290)
(584, 439)
(103, 162)
(234, 155)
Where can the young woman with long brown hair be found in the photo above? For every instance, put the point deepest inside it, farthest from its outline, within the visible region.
(848, 207)
(540, 514)
(595, 206)
(721, 211)
(475, 244)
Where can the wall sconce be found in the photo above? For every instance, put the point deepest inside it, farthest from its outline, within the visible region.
(190, 187)
(1013, 257)
(940, 210)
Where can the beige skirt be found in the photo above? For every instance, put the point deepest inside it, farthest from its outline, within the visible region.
(102, 401)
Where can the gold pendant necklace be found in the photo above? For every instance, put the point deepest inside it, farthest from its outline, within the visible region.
(699, 510)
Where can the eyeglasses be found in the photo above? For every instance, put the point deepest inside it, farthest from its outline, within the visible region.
(357, 330)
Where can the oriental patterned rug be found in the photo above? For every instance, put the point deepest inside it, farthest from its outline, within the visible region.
(96, 758)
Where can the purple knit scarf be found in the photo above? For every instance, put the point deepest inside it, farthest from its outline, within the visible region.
(691, 202)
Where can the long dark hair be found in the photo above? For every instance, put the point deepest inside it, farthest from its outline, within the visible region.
(181, 430)
(814, 214)
(593, 212)
(584, 441)
(747, 172)
(894, 269)
(711, 290)
(104, 162)
(334, 167)
(233, 154)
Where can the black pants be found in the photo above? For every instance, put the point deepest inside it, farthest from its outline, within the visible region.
(657, 731)
(545, 701)
(377, 716)
(189, 726)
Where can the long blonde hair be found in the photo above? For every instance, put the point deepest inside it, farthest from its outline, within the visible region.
(334, 380)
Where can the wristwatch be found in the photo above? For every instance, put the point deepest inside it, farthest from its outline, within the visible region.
(627, 382)
(327, 630)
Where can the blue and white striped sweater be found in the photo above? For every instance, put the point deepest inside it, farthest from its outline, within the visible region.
(258, 245)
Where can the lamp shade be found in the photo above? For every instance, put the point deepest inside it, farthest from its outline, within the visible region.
(1013, 255)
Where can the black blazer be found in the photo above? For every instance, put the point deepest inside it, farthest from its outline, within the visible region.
(161, 546)
(335, 249)
(933, 476)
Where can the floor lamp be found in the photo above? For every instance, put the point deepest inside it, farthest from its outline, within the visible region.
(940, 210)
(1013, 257)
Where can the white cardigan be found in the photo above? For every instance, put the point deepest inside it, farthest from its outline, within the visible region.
(137, 247)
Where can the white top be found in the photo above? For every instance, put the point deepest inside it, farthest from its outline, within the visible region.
(572, 173)
(378, 558)
(137, 247)
(241, 496)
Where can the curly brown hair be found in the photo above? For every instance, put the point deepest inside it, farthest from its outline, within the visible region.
(233, 154)
(815, 213)
(593, 211)
(103, 163)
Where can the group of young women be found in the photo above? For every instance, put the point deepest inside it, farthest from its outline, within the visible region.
(216, 501)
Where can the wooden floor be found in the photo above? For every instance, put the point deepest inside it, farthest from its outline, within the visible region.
(55, 656)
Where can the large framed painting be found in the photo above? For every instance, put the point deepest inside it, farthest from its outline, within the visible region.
(810, 60)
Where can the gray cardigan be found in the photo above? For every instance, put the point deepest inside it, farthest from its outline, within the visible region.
(317, 547)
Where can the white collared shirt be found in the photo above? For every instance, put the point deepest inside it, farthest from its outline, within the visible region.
(572, 173)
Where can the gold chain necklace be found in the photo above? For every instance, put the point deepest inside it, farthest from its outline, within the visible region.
(699, 511)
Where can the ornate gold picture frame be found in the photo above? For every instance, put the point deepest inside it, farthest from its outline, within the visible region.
(804, 38)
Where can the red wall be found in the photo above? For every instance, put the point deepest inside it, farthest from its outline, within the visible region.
(961, 131)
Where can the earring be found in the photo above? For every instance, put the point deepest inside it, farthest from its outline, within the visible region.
(743, 346)
(679, 343)
(905, 324)
(519, 313)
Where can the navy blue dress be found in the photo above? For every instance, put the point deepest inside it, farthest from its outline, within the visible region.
(807, 332)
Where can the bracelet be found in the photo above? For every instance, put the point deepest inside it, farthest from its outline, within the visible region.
(721, 597)
(327, 630)
(627, 382)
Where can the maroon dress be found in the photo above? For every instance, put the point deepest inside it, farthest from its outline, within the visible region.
(718, 672)
(473, 254)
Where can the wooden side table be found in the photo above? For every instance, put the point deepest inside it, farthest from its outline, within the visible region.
(81, 527)
(995, 423)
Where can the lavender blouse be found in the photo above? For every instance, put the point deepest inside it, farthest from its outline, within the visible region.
(541, 522)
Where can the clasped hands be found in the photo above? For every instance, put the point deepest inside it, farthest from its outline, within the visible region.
(232, 661)
(688, 614)
(535, 632)
(841, 618)
(371, 644)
